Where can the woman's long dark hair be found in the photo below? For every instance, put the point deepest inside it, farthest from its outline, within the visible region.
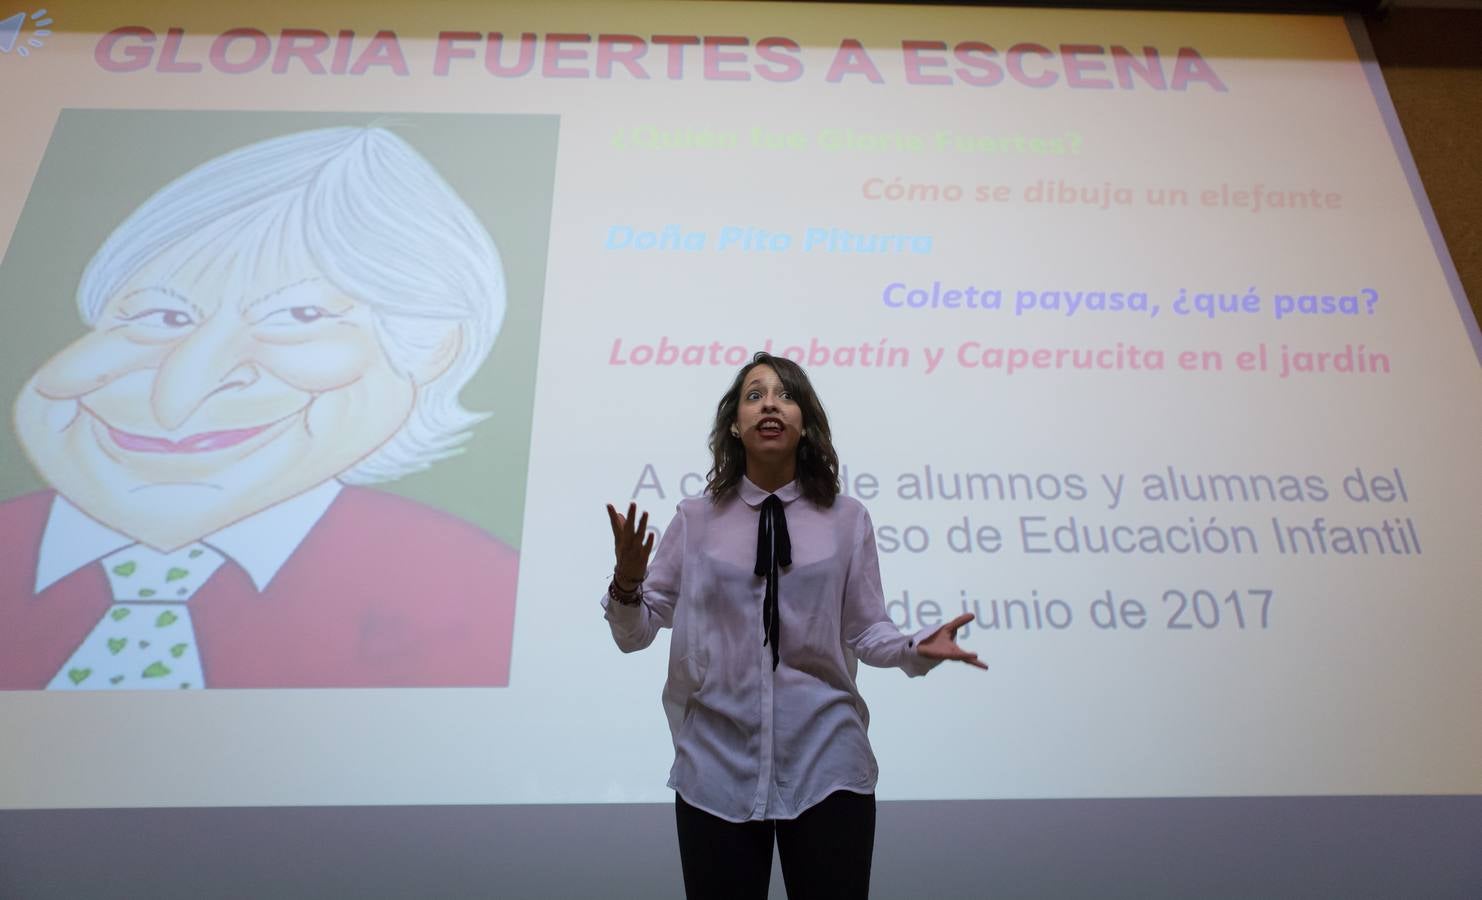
(817, 463)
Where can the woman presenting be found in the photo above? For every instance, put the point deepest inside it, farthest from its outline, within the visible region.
(771, 583)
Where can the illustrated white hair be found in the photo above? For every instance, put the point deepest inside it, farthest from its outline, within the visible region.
(371, 214)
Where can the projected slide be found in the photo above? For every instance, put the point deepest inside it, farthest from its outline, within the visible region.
(327, 338)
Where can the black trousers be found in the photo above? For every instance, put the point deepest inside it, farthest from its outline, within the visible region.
(826, 851)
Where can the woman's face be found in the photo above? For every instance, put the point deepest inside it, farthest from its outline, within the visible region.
(202, 396)
(768, 418)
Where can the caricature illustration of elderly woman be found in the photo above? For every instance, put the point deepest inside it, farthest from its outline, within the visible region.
(269, 332)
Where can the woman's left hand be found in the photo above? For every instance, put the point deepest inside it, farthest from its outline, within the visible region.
(943, 644)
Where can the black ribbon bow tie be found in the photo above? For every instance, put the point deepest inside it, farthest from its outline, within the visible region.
(773, 550)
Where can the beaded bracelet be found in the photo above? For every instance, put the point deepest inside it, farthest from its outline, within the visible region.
(626, 598)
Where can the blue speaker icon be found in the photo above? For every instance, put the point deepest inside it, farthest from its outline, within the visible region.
(11, 28)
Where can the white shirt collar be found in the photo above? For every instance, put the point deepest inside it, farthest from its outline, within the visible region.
(753, 495)
(260, 543)
(72, 540)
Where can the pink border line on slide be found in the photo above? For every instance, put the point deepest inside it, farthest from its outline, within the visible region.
(1361, 43)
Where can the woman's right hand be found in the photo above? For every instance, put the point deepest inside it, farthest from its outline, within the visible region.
(632, 544)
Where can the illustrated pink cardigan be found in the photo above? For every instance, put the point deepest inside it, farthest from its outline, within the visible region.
(383, 592)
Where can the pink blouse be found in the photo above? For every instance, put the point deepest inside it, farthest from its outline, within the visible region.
(750, 742)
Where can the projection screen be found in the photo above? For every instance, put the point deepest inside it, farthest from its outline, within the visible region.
(327, 332)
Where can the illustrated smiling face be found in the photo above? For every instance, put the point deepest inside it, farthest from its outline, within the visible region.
(212, 385)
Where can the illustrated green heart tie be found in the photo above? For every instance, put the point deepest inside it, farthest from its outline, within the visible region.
(145, 640)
